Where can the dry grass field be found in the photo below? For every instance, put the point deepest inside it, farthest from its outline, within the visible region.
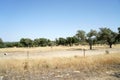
(55, 48)
(39, 49)
(94, 67)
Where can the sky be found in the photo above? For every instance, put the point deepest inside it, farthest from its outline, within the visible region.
(55, 18)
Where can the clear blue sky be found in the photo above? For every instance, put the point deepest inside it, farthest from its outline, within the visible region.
(55, 18)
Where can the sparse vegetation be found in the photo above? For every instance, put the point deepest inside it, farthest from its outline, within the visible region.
(28, 69)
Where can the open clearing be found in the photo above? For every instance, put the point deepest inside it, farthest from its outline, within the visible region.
(19, 53)
(65, 53)
(60, 63)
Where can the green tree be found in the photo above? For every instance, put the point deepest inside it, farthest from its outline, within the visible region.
(26, 42)
(11, 44)
(75, 40)
(91, 38)
(36, 42)
(107, 35)
(42, 42)
(81, 35)
(1, 43)
(61, 41)
(118, 35)
(71, 40)
(119, 30)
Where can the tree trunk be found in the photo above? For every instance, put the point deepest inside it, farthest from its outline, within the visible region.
(110, 45)
(90, 47)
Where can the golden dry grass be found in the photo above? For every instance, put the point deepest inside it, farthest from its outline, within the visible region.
(54, 48)
(27, 69)
(96, 63)
(91, 63)
(38, 49)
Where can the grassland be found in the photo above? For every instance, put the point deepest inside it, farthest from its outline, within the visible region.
(96, 67)
(61, 68)
(55, 48)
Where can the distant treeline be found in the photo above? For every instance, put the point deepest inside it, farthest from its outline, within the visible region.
(103, 36)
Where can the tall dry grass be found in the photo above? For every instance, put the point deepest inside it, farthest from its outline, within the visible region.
(21, 69)
(76, 62)
(31, 69)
